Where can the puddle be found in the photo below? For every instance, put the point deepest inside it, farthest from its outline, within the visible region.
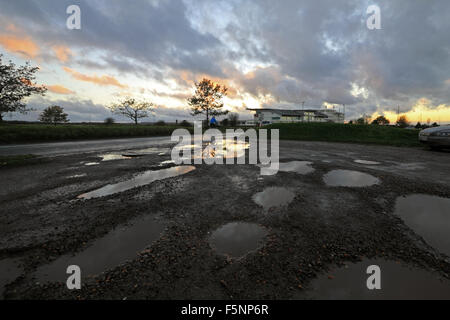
(429, 217)
(139, 180)
(368, 162)
(91, 163)
(167, 162)
(116, 247)
(237, 239)
(77, 176)
(300, 167)
(225, 149)
(114, 156)
(273, 197)
(397, 282)
(9, 271)
(348, 178)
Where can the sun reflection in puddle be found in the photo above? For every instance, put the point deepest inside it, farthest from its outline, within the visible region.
(139, 180)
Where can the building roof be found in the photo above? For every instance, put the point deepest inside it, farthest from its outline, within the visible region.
(292, 113)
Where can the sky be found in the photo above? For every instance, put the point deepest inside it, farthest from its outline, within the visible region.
(271, 54)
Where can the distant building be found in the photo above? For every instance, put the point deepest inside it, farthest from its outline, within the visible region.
(267, 116)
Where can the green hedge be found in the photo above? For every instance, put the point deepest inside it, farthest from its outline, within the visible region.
(40, 132)
(334, 132)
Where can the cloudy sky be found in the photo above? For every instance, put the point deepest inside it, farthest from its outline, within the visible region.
(269, 53)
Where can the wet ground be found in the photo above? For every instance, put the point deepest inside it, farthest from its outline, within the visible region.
(150, 231)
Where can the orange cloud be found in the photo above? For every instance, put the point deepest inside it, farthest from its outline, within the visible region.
(187, 77)
(59, 89)
(102, 80)
(12, 28)
(22, 46)
(63, 53)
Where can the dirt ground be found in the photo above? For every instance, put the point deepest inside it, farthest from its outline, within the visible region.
(323, 227)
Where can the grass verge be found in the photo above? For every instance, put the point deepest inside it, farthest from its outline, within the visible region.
(22, 133)
(335, 132)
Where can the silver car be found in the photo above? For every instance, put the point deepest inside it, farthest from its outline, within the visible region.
(436, 137)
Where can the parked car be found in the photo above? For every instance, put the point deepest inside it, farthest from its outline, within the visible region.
(436, 137)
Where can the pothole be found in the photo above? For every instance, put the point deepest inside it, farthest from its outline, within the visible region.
(300, 167)
(116, 247)
(114, 156)
(77, 176)
(368, 162)
(236, 239)
(429, 217)
(397, 282)
(273, 197)
(349, 178)
(139, 180)
(91, 164)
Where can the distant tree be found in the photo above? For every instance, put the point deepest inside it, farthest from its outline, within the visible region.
(109, 121)
(402, 122)
(225, 122)
(350, 122)
(16, 83)
(53, 114)
(132, 109)
(233, 117)
(418, 125)
(361, 121)
(208, 99)
(381, 120)
(185, 123)
(160, 123)
(435, 124)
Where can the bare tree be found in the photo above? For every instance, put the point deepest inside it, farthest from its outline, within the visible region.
(132, 109)
(16, 83)
(208, 99)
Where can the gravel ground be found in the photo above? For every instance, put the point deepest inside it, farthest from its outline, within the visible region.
(323, 227)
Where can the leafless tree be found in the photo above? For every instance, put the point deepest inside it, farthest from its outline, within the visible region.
(132, 109)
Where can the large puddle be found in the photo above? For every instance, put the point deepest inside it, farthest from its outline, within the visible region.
(397, 282)
(116, 247)
(349, 178)
(236, 239)
(227, 148)
(300, 167)
(273, 197)
(139, 180)
(429, 217)
(9, 271)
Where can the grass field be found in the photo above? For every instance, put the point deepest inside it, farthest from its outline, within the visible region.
(334, 132)
(21, 133)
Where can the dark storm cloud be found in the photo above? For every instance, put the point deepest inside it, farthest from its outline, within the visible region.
(154, 32)
(311, 51)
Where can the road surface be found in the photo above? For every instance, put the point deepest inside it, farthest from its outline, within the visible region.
(74, 147)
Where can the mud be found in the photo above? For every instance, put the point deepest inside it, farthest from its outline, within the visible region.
(321, 229)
